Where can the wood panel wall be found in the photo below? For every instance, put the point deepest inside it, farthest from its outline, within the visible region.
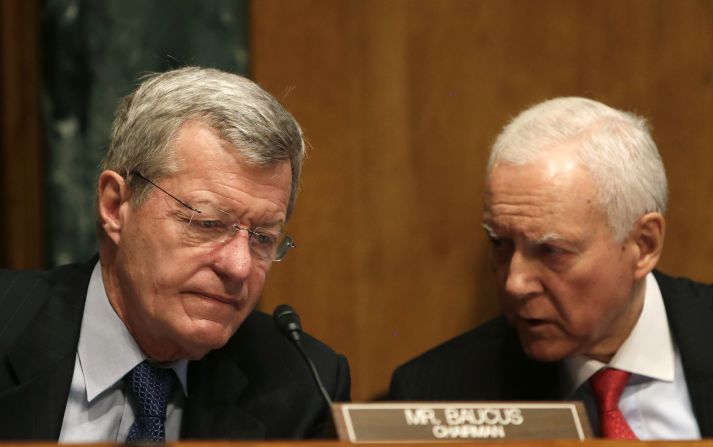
(21, 216)
(400, 101)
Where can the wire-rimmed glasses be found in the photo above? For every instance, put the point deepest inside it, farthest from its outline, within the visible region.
(210, 225)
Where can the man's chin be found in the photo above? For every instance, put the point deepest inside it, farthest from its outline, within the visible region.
(544, 350)
(204, 339)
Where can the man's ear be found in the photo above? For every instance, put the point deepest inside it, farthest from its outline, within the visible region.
(648, 235)
(112, 193)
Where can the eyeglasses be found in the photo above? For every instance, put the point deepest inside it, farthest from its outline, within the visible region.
(214, 226)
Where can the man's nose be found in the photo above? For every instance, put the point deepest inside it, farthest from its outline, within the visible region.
(522, 277)
(233, 257)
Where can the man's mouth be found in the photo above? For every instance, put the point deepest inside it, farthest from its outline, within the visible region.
(534, 323)
(224, 299)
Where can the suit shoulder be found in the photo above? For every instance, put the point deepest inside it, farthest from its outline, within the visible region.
(260, 346)
(682, 287)
(689, 309)
(24, 294)
(482, 340)
(18, 279)
(23, 282)
(467, 367)
(261, 326)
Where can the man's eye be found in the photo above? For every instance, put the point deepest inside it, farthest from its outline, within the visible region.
(501, 249)
(551, 250)
(208, 224)
(497, 243)
(264, 239)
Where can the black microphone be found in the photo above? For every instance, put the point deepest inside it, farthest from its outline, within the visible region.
(289, 323)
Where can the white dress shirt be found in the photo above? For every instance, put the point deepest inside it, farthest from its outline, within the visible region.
(655, 402)
(97, 408)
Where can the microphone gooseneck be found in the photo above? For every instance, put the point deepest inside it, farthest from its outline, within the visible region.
(288, 321)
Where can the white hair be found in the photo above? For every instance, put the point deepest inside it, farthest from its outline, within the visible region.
(614, 146)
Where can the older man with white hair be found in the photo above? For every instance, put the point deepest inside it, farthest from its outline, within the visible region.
(574, 209)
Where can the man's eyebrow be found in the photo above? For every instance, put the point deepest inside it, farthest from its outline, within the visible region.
(275, 223)
(549, 237)
(230, 215)
(488, 229)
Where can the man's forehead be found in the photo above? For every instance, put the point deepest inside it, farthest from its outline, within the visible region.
(518, 202)
(551, 166)
(551, 180)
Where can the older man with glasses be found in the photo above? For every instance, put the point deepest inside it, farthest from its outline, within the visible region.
(158, 339)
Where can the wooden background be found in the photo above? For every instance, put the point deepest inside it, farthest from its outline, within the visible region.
(21, 195)
(400, 101)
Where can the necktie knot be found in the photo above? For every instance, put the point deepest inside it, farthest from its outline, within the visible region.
(151, 388)
(607, 385)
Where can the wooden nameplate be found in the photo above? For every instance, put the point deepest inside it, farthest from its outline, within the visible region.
(460, 421)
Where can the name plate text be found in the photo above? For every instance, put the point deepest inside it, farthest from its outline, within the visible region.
(467, 421)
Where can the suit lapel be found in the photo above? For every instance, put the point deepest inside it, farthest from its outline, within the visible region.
(215, 386)
(42, 359)
(34, 409)
(23, 295)
(689, 307)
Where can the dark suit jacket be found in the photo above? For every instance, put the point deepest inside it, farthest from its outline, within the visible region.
(488, 363)
(255, 387)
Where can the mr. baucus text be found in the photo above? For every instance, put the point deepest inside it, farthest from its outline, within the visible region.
(454, 423)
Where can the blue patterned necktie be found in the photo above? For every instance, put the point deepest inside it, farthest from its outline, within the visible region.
(151, 388)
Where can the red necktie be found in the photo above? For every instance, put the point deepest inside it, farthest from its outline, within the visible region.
(607, 385)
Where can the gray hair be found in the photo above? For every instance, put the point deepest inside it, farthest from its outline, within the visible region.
(242, 113)
(615, 146)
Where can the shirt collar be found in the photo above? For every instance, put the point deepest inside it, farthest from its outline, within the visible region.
(647, 352)
(106, 349)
